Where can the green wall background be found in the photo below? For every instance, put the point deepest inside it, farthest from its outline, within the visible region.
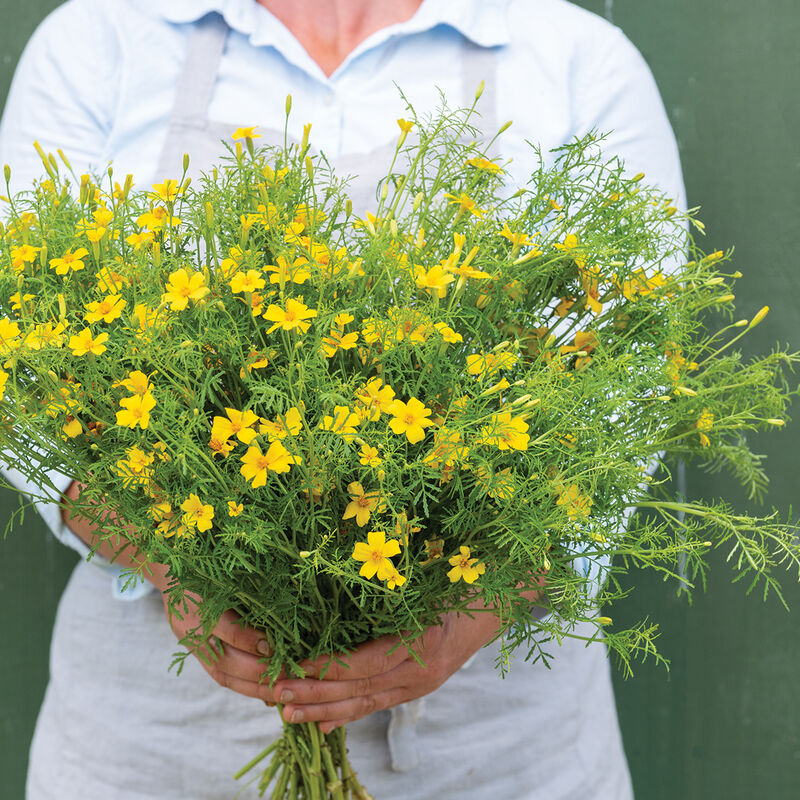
(725, 721)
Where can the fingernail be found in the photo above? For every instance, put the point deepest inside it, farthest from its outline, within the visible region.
(262, 646)
(298, 716)
(269, 704)
(310, 671)
(287, 695)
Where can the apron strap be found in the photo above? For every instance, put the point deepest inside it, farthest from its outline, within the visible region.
(199, 73)
(480, 64)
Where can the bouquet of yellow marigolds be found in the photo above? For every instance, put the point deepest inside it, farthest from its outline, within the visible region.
(344, 426)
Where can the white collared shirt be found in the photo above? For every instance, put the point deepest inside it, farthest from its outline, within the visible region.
(98, 80)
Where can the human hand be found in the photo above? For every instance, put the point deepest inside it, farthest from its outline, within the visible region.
(233, 656)
(376, 679)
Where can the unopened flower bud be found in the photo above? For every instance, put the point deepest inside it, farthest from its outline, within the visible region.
(185, 162)
(288, 104)
(304, 553)
(759, 316)
(479, 90)
(506, 126)
(638, 177)
(778, 423)
(418, 200)
(604, 620)
(726, 298)
(686, 390)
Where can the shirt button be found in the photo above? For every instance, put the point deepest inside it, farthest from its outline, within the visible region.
(330, 99)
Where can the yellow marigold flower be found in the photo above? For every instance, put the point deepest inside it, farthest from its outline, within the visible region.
(136, 383)
(369, 456)
(343, 319)
(136, 411)
(284, 272)
(135, 469)
(499, 486)
(9, 335)
(139, 240)
(246, 133)
(375, 553)
(465, 203)
(83, 343)
(405, 125)
(569, 244)
(25, 254)
(485, 365)
(362, 504)
(248, 281)
(108, 309)
(447, 450)
(640, 284)
(290, 424)
(156, 219)
(465, 567)
(410, 418)
(392, 577)
(434, 550)
(183, 286)
(219, 446)
(17, 301)
(435, 280)
(505, 432)
(344, 422)
(234, 508)
(293, 317)
(576, 504)
(196, 513)
(256, 465)
(238, 424)
(45, 334)
(103, 216)
(70, 261)
(705, 423)
(447, 333)
(110, 281)
(479, 162)
(168, 190)
(3, 381)
(72, 428)
(564, 306)
(336, 341)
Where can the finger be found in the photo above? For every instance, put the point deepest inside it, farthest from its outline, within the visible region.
(408, 676)
(332, 725)
(350, 710)
(238, 663)
(248, 688)
(230, 629)
(367, 660)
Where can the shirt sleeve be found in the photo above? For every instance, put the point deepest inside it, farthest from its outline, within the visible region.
(618, 96)
(63, 94)
(61, 97)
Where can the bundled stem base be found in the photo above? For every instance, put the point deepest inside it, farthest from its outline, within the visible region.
(307, 764)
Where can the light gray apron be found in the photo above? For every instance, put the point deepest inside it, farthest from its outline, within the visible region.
(115, 724)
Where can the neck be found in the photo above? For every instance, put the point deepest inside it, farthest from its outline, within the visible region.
(330, 30)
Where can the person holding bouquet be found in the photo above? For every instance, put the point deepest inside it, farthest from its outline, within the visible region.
(138, 84)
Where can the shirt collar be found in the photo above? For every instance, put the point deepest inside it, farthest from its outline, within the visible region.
(484, 22)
